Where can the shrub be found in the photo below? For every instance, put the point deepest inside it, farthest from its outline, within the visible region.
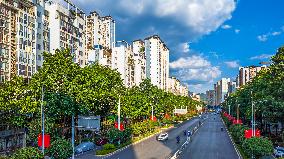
(60, 149)
(27, 153)
(258, 146)
(107, 148)
(237, 131)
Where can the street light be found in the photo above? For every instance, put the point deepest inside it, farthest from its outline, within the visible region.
(42, 119)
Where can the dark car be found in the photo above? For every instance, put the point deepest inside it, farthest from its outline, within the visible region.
(101, 142)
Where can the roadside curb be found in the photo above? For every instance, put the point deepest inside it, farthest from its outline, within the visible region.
(233, 142)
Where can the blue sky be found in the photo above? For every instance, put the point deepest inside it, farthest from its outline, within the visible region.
(208, 39)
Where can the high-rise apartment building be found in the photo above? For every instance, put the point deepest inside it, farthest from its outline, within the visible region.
(123, 62)
(67, 30)
(139, 61)
(246, 74)
(221, 89)
(100, 38)
(157, 61)
(210, 97)
(175, 87)
(24, 35)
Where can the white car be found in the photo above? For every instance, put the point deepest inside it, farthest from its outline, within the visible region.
(279, 151)
(163, 137)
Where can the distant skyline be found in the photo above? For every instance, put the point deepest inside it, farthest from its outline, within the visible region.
(208, 39)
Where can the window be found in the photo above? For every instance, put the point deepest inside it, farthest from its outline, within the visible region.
(38, 14)
(38, 46)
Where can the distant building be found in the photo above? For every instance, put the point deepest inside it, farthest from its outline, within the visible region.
(157, 61)
(221, 89)
(210, 97)
(246, 74)
(175, 87)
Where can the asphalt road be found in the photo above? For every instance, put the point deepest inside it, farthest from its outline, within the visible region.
(151, 148)
(210, 142)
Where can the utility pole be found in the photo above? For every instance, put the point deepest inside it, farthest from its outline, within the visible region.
(42, 119)
(73, 137)
(118, 113)
(252, 116)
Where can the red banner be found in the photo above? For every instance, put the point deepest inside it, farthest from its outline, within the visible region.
(248, 133)
(46, 140)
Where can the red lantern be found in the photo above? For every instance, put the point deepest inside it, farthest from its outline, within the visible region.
(46, 140)
(121, 126)
(153, 118)
(167, 116)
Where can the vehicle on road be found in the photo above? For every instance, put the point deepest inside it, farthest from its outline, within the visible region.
(279, 151)
(178, 139)
(84, 146)
(101, 142)
(163, 137)
(222, 129)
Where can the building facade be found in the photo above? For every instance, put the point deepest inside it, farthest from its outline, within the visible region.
(24, 36)
(175, 87)
(221, 90)
(67, 30)
(123, 62)
(246, 74)
(210, 97)
(139, 61)
(157, 61)
(100, 38)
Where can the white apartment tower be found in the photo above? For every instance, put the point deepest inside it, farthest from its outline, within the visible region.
(246, 74)
(67, 30)
(123, 62)
(24, 35)
(100, 38)
(157, 61)
(139, 61)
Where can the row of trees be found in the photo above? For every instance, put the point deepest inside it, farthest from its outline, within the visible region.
(265, 92)
(70, 90)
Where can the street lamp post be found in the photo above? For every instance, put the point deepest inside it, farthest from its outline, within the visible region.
(118, 113)
(42, 119)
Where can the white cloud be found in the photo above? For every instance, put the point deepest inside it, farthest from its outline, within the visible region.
(201, 16)
(262, 56)
(232, 64)
(276, 33)
(262, 38)
(226, 26)
(190, 62)
(265, 37)
(195, 68)
(237, 31)
(184, 47)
